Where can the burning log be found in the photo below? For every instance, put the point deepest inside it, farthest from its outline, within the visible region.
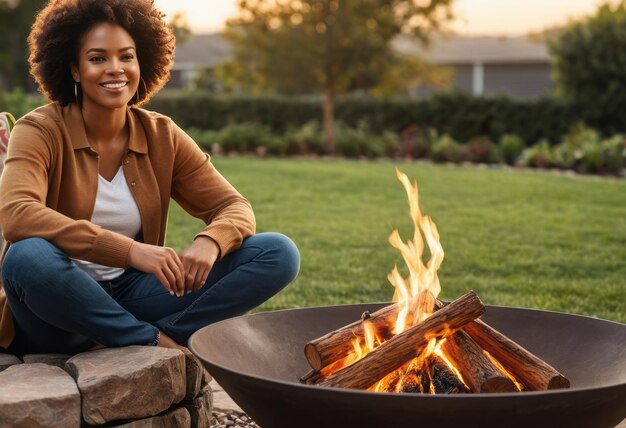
(401, 348)
(338, 344)
(527, 368)
(479, 373)
(442, 378)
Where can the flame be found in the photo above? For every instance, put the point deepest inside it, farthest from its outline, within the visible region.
(415, 295)
(370, 335)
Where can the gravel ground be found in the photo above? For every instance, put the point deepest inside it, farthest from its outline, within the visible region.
(231, 418)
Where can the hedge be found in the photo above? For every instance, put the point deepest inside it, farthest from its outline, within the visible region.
(459, 115)
(581, 149)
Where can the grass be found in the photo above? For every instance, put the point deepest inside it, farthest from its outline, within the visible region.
(522, 239)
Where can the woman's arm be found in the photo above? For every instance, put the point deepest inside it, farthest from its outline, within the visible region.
(33, 153)
(204, 193)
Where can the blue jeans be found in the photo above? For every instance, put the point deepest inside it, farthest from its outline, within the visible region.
(58, 308)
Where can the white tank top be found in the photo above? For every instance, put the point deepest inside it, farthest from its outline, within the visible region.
(115, 210)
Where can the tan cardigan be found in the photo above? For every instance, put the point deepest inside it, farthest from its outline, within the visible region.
(48, 189)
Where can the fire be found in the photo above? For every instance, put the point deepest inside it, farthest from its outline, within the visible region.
(431, 371)
(416, 294)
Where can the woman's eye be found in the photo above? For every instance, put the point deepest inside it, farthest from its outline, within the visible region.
(128, 57)
(96, 59)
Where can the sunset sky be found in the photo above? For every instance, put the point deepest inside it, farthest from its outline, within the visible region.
(475, 17)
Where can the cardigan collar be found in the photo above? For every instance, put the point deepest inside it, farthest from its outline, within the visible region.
(73, 118)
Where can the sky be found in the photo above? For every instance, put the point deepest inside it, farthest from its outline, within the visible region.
(474, 17)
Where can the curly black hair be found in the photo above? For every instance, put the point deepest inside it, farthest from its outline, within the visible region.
(58, 30)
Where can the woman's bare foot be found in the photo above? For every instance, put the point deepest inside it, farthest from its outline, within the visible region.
(167, 342)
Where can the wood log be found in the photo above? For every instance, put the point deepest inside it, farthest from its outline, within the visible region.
(406, 345)
(312, 377)
(338, 344)
(443, 379)
(526, 368)
(479, 373)
(431, 377)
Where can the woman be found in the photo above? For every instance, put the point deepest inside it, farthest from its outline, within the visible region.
(85, 195)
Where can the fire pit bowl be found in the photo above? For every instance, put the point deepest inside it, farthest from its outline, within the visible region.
(259, 358)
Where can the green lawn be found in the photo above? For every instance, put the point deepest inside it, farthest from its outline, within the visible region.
(523, 239)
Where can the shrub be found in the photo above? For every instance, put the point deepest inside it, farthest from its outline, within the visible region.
(588, 66)
(414, 142)
(614, 154)
(482, 150)
(511, 146)
(303, 140)
(540, 155)
(18, 103)
(244, 138)
(591, 157)
(363, 142)
(205, 139)
(579, 140)
(446, 149)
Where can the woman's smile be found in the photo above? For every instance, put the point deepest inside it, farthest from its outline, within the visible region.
(115, 86)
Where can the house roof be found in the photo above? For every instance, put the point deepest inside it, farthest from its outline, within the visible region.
(202, 51)
(456, 50)
(208, 50)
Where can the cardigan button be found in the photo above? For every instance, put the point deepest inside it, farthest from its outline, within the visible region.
(133, 183)
(126, 161)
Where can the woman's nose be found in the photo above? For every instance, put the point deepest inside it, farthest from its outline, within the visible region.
(115, 68)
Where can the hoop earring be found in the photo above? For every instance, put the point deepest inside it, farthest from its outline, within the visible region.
(145, 90)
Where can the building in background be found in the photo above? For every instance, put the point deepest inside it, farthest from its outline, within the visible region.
(201, 53)
(515, 66)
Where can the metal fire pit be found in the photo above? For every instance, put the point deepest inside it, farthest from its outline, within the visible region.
(258, 360)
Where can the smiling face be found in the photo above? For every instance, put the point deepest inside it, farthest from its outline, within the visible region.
(107, 68)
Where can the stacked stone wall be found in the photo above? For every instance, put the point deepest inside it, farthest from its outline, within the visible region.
(135, 386)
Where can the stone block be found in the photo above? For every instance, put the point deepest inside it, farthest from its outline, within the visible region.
(57, 360)
(128, 383)
(206, 377)
(38, 395)
(200, 408)
(8, 360)
(194, 374)
(177, 418)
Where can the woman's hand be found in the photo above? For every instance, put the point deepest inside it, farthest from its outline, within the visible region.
(163, 262)
(198, 260)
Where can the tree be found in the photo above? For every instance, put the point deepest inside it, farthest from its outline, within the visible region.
(332, 46)
(589, 66)
(180, 27)
(16, 18)
(411, 72)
